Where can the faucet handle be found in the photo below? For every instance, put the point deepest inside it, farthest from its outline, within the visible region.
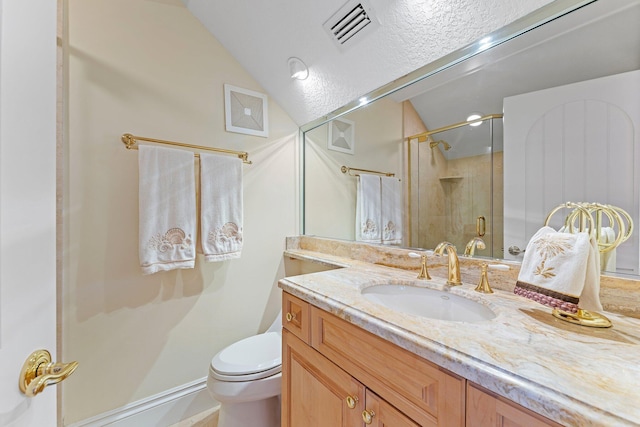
(424, 272)
(483, 284)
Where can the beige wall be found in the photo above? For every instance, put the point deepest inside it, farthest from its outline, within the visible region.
(151, 69)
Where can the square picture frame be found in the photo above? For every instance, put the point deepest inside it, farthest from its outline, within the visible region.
(341, 136)
(246, 111)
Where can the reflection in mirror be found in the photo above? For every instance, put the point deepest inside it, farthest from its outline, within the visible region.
(330, 195)
(455, 174)
(568, 90)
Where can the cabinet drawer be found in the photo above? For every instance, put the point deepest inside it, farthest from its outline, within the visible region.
(426, 393)
(295, 316)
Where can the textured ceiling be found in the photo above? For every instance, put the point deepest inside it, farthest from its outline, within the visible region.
(262, 35)
(598, 40)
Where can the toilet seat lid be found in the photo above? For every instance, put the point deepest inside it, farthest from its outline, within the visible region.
(254, 354)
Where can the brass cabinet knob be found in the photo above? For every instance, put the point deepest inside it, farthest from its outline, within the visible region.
(352, 401)
(290, 317)
(39, 371)
(367, 416)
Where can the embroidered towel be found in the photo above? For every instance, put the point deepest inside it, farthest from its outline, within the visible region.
(167, 209)
(220, 206)
(391, 204)
(561, 270)
(368, 209)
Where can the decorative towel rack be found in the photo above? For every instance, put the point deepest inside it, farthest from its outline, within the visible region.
(131, 140)
(347, 170)
(589, 217)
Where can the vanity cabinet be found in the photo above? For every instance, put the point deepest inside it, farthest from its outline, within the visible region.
(336, 374)
(317, 393)
(343, 375)
(486, 409)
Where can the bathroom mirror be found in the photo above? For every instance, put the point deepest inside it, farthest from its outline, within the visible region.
(532, 57)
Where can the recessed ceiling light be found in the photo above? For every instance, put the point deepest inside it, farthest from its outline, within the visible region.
(474, 116)
(297, 69)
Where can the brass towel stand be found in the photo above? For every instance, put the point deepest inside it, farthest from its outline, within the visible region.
(590, 214)
(584, 213)
(131, 140)
(347, 170)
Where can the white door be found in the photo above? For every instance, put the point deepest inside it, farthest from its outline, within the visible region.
(575, 143)
(27, 203)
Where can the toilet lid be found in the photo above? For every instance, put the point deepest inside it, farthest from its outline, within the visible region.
(253, 354)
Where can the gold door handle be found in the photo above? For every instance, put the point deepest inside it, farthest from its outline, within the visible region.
(39, 371)
(290, 317)
(352, 401)
(367, 416)
(481, 226)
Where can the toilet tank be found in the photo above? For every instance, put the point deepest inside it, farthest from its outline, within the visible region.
(276, 326)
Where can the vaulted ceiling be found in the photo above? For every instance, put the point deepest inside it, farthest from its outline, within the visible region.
(262, 35)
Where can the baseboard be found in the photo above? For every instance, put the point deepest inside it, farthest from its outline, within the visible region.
(163, 409)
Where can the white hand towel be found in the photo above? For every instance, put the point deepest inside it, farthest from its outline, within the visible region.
(368, 209)
(167, 209)
(220, 206)
(391, 201)
(561, 270)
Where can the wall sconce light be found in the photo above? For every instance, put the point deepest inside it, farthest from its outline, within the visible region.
(297, 69)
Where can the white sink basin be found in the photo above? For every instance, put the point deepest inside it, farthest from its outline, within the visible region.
(429, 303)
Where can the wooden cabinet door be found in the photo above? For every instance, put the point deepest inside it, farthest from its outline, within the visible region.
(484, 409)
(383, 414)
(315, 392)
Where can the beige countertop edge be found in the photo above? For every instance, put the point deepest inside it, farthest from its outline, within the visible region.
(538, 395)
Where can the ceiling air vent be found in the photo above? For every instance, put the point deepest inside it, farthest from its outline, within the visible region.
(354, 20)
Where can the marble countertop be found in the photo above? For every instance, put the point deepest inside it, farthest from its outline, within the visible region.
(572, 374)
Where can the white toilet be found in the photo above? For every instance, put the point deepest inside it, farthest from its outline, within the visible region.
(245, 378)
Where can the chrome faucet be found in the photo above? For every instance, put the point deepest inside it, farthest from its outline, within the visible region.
(454, 264)
(474, 243)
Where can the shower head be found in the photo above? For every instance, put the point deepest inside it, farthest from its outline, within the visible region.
(444, 143)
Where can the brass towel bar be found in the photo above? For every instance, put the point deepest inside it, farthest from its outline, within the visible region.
(424, 136)
(347, 170)
(131, 140)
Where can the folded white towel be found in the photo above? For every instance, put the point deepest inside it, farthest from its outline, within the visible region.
(167, 209)
(561, 270)
(391, 201)
(221, 213)
(368, 209)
